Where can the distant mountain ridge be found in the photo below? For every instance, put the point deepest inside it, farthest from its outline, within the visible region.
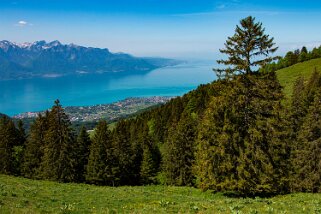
(41, 59)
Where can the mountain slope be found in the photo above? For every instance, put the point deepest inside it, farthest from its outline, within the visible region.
(287, 76)
(20, 195)
(42, 59)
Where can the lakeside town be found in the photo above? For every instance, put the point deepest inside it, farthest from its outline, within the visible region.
(109, 112)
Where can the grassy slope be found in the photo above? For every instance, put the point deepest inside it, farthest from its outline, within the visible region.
(287, 76)
(19, 195)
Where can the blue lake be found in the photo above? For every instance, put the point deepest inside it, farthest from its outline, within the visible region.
(18, 96)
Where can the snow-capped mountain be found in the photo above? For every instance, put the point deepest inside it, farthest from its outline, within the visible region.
(43, 58)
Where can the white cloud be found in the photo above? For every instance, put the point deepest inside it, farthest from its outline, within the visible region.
(23, 23)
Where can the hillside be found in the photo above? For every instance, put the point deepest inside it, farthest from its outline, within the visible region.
(287, 76)
(51, 59)
(18, 195)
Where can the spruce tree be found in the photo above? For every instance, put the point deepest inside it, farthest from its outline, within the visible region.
(263, 161)
(122, 151)
(34, 148)
(150, 157)
(217, 142)
(307, 156)
(18, 149)
(178, 158)
(9, 138)
(299, 106)
(99, 169)
(248, 49)
(136, 139)
(58, 161)
(148, 168)
(303, 54)
(242, 144)
(82, 154)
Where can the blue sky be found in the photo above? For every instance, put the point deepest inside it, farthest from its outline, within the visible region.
(168, 28)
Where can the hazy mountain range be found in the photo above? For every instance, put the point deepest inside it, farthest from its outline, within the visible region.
(42, 59)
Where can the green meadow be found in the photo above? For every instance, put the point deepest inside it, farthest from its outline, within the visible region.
(288, 76)
(20, 195)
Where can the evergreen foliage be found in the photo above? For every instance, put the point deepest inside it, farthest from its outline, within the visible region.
(178, 158)
(299, 104)
(82, 154)
(306, 156)
(248, 49)
(100, 161)
(242, 141)
(18, 149)
(150, 158)
(58, 162)
(122, 151)
(9, 139)
(34, 148)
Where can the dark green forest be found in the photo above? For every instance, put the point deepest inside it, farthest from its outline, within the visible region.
(232, 135)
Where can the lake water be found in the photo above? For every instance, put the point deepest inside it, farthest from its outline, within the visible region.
(17, 96)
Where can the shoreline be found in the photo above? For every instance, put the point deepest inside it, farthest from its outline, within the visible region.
(110, 111)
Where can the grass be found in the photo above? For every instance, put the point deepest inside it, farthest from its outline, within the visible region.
(20, 195)
(287, 76)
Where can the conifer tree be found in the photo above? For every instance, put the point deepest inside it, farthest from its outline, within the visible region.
(303, 54)
(242, 145)
(122, 151)
(304, 50)
(264, 152)
(18, 149)
(150, 157)
(298, 107)
(217, 142)
(136, 139)
(307, 156)
(248, 49)
(99, 169)
(178, 158)
(58, 162)
(291, 58)
(82, 154)
(8, 140)
(148, 168)
(34, 148)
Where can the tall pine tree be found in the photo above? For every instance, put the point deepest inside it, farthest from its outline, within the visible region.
(9, 138)
(248, 49)
(34, 148)
(82, 154)
(99, 169)
(58, 161)
(122, 151)
(150, 157)
(178, 158)
(242, 143)
(307, 153)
